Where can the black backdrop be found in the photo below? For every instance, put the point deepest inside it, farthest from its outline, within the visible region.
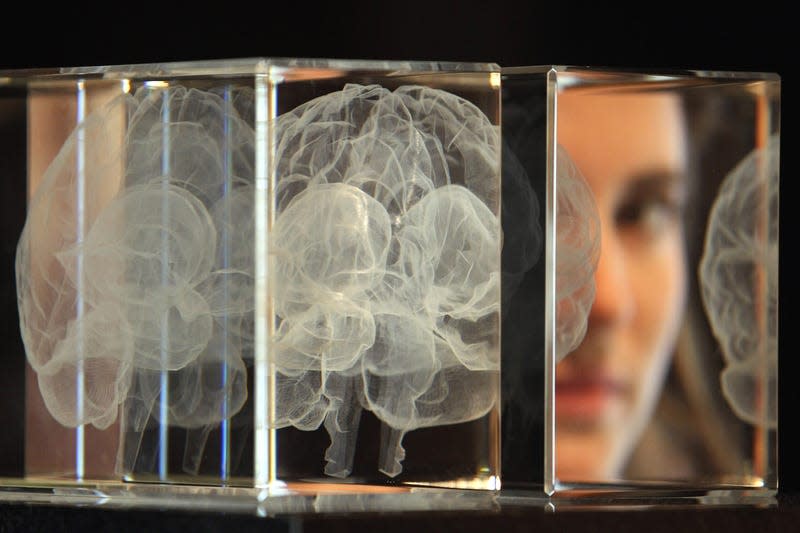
(673, 35)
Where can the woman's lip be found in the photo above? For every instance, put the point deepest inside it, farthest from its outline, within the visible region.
(589, 400)
(578, 385)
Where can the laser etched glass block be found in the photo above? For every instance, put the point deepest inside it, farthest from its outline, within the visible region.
(255, 272)
(248, 279)
(658, 350)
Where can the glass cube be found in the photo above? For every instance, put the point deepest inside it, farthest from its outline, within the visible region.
(253, 273)
(246, 279)
(658, 350)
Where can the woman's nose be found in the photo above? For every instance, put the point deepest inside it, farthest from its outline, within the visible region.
(614, 301)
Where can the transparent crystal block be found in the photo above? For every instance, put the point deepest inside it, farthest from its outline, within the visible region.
(253, 273)
(254, 279)
(657, 355)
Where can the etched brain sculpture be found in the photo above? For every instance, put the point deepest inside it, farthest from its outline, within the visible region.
(577, 254)
(122, 275)
(739, 283)
(136, 263)
(387, 252)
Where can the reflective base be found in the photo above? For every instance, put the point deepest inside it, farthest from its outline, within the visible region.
(311, 498)
(289, 499)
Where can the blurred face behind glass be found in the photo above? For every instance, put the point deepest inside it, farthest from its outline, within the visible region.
(630, 147)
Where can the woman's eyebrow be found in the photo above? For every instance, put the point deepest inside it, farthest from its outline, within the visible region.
(659, 181)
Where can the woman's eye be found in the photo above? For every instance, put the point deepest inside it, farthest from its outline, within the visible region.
(647, 216)
(652, 203)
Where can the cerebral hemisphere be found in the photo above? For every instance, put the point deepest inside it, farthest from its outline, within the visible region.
(387, 253)
(124, 271)
(739, 283)
(577, 253)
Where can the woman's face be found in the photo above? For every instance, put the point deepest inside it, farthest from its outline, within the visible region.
(630, 148)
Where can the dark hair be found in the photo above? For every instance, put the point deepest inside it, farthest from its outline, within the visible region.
(704, 439)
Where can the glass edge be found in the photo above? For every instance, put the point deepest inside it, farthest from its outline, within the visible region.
(242, 500)
(250, 501)
(549, 459)
(647, 71)
(245, 66)
(264, 65)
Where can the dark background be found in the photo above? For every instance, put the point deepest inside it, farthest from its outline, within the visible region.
(757, 36)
